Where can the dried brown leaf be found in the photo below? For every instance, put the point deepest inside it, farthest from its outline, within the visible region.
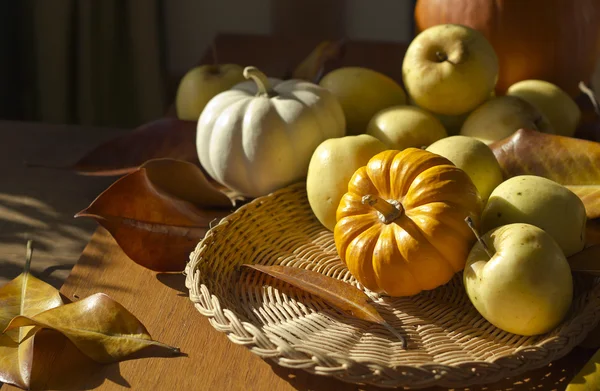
(100, 327)
(163, 138)
(28, 296)
(572, 162)
(155, 228)
(313, 66)
(341, 295)
(185, 181)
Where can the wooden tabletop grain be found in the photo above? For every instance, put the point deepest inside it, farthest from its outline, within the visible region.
(210, 360)
(40, 203)
(159, 300)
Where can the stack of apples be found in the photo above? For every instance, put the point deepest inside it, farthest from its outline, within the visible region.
(517, 274)
(257, 134)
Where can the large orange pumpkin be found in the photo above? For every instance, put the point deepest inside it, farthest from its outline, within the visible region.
(401, 226)
(553, 40)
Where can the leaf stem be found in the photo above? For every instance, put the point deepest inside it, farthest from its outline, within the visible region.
(471, 225)
(396, 333)
(28, 256)
(588, 91)
(26, 268)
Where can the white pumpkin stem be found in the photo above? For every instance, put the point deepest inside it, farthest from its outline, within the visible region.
(471, 225)
(389, 212)
(264, 88)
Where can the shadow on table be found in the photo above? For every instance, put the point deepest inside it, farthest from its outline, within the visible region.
(175, 281)
(555, 376)
(59, 365)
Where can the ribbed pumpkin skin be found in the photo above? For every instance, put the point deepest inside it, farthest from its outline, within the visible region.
(553, 40)
(424, 247)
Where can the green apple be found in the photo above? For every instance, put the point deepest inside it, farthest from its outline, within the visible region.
(541, 202)
(475, 158)
(401, 127)
(200, 84)
(331, 166)
(560, 109)
(501, 116)
(449, 69)
(524, 286)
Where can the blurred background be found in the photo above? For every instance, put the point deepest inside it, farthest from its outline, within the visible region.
(116, 63)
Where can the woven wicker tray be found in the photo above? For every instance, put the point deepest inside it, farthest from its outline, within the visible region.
(449, 343)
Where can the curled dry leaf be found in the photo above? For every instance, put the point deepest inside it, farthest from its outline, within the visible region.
(98, 326)
(572, 162)
(313, 67)
(185, 181)
(341, 295)
(27, 296)
(163, 138)
(158, 224)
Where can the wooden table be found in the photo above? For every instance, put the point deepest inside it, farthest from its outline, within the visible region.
(159, 300)
(41, 203)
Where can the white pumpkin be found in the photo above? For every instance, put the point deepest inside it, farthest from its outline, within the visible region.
(260, 135)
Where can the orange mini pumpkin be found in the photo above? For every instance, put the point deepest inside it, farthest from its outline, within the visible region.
(401, 226)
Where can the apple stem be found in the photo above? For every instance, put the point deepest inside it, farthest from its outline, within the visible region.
(215, 58)
(264, 88)
(441, 56)
(588, 91)
(388, 211)
(471, 225)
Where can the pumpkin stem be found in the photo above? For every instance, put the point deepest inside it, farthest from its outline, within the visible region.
(471, 225)
(389, 212)
(264, 88)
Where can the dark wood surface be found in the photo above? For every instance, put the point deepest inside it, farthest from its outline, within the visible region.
(39, 203)
(49, 198)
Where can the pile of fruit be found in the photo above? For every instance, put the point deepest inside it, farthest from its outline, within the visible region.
(404, 176)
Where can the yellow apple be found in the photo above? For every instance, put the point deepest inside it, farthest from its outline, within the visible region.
(560, 109)
(452, 123)
(541, 202)
(331, 166)
(401, 127)
(526, 286)
(362, 92)
(200, 84)
(449, 69)
(475, 158)
(500, 117)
